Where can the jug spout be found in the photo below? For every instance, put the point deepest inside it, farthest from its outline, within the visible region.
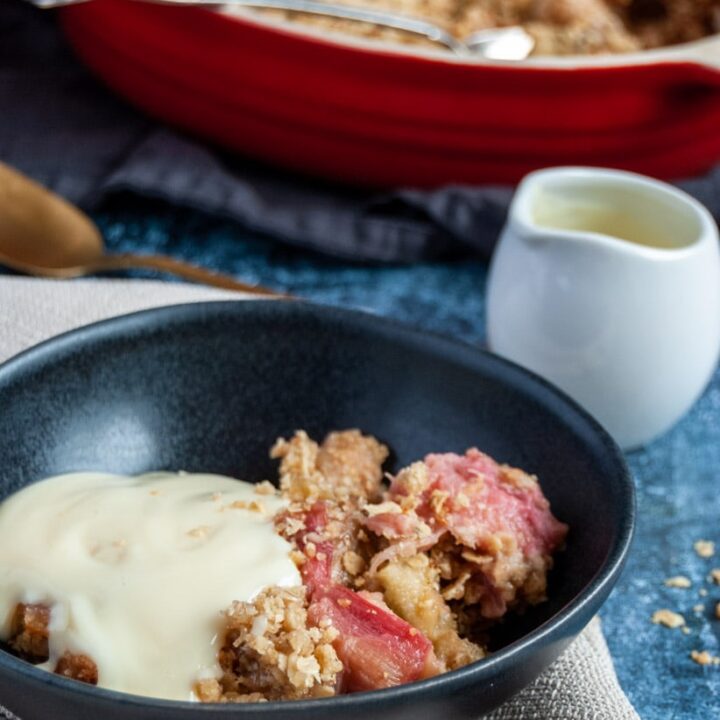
(608, 284)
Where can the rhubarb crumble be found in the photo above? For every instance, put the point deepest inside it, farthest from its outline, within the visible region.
(393, 578)
(559, 27)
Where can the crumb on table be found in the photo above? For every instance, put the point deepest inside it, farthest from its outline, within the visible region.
(679, 581)
(703, 657)
(668, 618)
(704, 548)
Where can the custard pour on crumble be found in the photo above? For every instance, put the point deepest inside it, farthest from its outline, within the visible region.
(342, 580)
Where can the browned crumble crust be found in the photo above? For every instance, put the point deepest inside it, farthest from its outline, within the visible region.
(77, 667)
(29, 640)
(270, 653)
(29, 632)
(348, 465)
(344, 472)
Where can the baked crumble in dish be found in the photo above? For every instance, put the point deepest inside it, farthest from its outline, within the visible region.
(559, 27)
(401, 576)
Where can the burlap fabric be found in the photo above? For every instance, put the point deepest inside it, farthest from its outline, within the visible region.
(581, 685)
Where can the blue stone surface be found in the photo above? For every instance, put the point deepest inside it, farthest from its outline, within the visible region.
(677, 476)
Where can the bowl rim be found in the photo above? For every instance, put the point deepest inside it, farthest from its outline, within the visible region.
(704, 51)
(579, 609)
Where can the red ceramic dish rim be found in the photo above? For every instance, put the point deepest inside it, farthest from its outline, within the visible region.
(704, 52)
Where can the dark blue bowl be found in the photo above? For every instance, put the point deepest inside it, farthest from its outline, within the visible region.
(208, 387)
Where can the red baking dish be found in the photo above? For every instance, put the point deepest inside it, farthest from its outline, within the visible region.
(373, 113)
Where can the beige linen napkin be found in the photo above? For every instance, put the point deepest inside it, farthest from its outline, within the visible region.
(581, 685)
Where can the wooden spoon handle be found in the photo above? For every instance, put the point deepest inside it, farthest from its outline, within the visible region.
(129, 261)
(182, 269)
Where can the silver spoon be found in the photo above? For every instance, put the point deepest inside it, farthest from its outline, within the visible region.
(508, 43)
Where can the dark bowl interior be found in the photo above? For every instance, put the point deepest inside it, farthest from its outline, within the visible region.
(209, 387)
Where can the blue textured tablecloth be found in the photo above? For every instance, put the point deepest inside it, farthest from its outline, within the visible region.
(677, 476)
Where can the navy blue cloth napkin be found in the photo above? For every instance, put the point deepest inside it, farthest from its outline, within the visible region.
(64, 128)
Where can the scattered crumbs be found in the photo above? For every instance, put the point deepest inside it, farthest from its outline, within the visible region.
(715, 576)
(668, 618)
(685, 630)
(253, 505)
(702, 592)
(679, 581)
(343, 602)
(698, 608)
(154, 492)
(216, 496)
(717, 610)
(704, 658)
(265, 488)
(704, 548)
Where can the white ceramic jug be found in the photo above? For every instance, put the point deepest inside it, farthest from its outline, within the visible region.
(607, 284)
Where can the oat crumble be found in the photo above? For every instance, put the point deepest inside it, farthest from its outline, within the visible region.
(559, 27)
(399, 582)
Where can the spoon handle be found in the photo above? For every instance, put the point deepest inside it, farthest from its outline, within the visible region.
(170, 265)
(129, 261)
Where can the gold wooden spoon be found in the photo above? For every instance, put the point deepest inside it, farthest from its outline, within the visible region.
(43, 235)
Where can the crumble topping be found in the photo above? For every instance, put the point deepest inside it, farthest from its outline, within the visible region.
(559, 27)
(272, 653)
